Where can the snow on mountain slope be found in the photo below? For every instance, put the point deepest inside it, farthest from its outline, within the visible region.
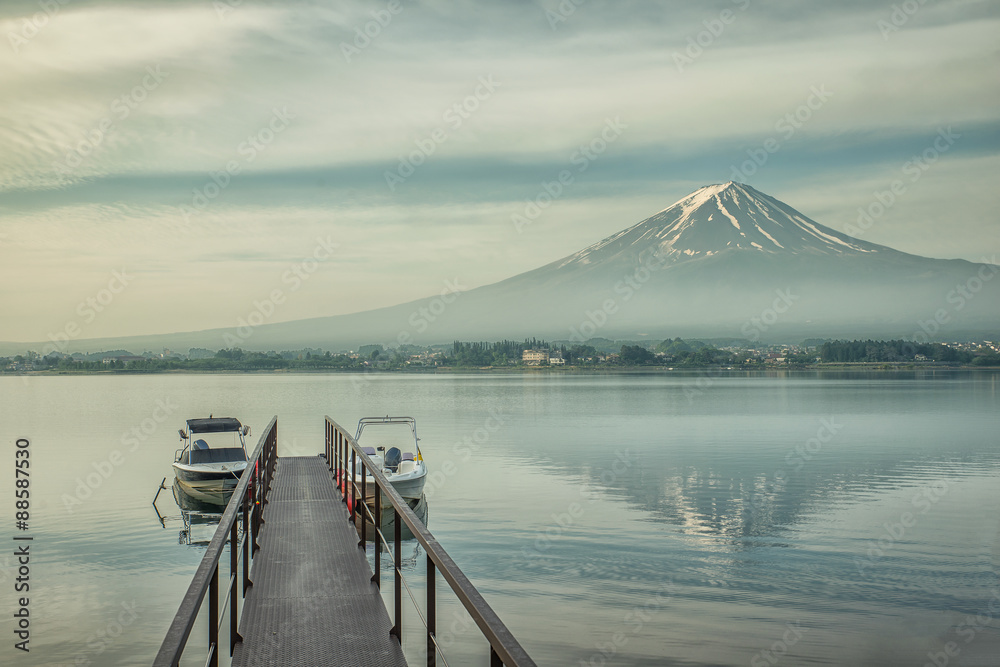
(717, 218)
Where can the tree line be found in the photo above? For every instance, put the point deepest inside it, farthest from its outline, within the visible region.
(889, 351)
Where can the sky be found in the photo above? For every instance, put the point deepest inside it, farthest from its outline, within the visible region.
(176, 166)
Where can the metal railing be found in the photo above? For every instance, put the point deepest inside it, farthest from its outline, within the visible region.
(343, 452)
(248, 501)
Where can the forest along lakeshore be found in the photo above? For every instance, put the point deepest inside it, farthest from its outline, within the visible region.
(594, 355)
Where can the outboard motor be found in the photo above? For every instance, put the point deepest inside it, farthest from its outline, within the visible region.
(392, 458)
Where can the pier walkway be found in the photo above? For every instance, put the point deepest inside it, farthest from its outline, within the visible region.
(298, 564)
(313, 601)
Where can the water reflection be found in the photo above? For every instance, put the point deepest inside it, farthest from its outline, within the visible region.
(200, 513)
(388, 521)
(409, 546)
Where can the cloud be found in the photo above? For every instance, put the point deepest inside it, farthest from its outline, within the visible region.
(355, 115)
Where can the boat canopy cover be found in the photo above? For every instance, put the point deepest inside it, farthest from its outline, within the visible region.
(214, 425)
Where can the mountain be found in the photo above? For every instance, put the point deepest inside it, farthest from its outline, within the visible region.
(726, 260)
(720, 218)
(729, 259)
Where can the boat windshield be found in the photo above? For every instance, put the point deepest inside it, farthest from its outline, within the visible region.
(206, 441)
(388, 435)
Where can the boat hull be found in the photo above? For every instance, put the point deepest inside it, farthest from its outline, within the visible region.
(200, 499)
(198, 478)
(408, 487)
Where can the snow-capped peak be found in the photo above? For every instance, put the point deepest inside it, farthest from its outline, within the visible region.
(724, 217)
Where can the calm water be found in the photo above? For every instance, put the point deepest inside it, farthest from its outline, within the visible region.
(840, 519)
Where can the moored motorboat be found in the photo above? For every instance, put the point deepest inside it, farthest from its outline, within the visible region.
(384, 440)
(213, 457)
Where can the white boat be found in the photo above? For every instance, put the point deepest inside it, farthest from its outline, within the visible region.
(213, 457)
(386, 440)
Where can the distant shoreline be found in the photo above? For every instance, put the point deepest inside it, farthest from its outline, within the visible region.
(522, 370)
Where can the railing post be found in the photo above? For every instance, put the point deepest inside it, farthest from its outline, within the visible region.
(377, 575)
(341, 466)
(354, 476)
(246, 542)
(431, 614)
(234, 576)
(397, 629)
(364, 507)
(270, 458)
(213, 618)
(495, 660)
(254, 507)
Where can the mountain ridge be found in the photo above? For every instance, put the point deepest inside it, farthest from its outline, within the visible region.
(704, 266)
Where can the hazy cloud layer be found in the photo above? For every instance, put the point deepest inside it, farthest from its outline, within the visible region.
(205, 147)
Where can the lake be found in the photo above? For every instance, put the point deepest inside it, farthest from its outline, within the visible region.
(824, 518)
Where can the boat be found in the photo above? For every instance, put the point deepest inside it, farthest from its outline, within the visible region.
(405, 470)
(207, 470)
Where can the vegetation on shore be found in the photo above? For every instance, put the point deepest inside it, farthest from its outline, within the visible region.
(598, 353)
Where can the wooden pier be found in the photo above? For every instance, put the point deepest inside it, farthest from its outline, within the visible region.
(308, 594)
